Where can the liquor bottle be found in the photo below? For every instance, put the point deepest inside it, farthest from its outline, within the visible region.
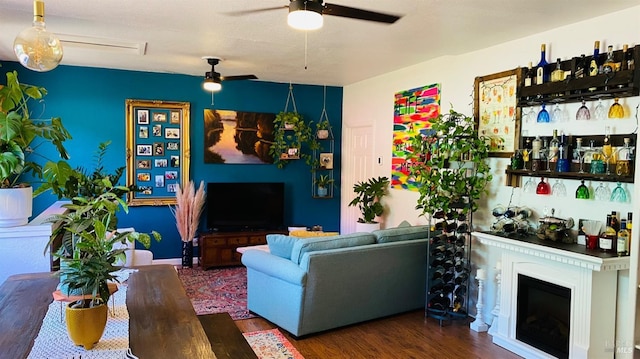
(594, 65)
(609, 64)
(581, 67)
(554, 144)
(624, 65)
(536, 146)
(615, 222)
(630, 230)
(557, 74)
(623, 167)
(623, 239)
(608, 237)
(542, 72)
(529, 75)
(628, 58)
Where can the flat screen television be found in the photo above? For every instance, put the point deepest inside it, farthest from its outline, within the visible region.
(245, 206)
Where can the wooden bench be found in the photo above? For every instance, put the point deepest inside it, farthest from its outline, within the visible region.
(226, 339)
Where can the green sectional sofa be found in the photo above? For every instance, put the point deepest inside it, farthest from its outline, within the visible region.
(314, 284)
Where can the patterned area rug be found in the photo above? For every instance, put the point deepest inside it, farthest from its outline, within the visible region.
(271, 344)
(217, 290)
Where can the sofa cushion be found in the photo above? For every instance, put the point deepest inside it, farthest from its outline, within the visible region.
(401, 233)
(281, 245)
(312, 244)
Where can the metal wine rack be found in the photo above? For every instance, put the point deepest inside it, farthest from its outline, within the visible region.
(449, 254)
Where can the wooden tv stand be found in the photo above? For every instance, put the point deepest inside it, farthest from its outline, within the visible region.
(218, 249)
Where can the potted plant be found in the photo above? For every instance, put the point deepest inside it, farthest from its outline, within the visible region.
(368, 196)
(290, 134)
(20, 137)
(322, 129)
(91, 263)
(187, 211)
(323, 182)
(449, 165)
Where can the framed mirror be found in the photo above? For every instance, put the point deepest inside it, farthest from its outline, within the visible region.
(158, 150)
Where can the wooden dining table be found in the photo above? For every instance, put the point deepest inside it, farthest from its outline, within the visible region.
(162, 321)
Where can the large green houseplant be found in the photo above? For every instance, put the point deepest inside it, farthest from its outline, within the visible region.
(88, 262)
(20, 138)
(368, 200)
(449, 165)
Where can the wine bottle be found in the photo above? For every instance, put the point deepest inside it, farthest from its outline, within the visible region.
(447, 276)
(460, 241)
(459, 253)
(462, 278)
(554, 144)
(624, 65)
(458, 303)
(609, 64)
(623, 239)
(459, 267)
(594, 65)
(438, 272)
(628, 58)
(542, 72)
(581, 67)
(437, 285)
(557, 74)
(460, 291)
(529, 75)
(615, 222)
(630, 230)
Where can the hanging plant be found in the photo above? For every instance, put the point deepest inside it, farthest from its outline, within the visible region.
(291, 134)
(449, 166)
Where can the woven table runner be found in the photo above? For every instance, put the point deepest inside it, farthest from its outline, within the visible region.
(53, 341)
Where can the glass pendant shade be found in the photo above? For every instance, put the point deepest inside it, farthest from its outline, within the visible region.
(616, 110)
(543, 115)
(35, 47)
(583, 112)
(305, 15)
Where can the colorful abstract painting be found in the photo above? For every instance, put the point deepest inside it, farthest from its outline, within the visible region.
(411, 114)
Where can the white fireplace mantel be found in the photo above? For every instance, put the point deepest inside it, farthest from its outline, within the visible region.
(591, 277)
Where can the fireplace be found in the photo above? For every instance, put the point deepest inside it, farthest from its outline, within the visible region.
(543, 315)
(580, 281)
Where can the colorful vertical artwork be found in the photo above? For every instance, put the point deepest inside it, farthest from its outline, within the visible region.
(411, 114)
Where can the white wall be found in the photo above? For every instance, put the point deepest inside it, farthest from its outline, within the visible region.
(371, 101)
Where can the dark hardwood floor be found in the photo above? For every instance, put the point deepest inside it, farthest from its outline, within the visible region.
(403, 336)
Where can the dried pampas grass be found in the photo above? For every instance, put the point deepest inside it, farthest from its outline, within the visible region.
(188, 208)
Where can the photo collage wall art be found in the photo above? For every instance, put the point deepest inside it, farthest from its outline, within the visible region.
(157, 151)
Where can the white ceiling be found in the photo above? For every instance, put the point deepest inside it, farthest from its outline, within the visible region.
(179, 33)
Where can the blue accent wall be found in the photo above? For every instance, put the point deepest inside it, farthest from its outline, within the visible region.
(91, 103)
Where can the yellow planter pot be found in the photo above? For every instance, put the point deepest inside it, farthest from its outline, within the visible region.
(86, 325)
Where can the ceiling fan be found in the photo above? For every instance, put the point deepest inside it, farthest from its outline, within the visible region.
(212, 79)
(307, 14)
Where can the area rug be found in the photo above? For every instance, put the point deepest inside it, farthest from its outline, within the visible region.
(271, 344)
(217, 290)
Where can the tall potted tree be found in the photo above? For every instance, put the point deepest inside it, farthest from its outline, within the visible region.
(91, 262)
(20, 137)
(368, 196)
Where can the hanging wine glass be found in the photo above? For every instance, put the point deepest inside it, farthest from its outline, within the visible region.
(529, 186)
(583, 191)
(558, 189)
(528, 115)
(616, 110)
(602, 193)
(543, 187)
(583, 112)
(599, 111)
(543, 115)
(558, 114)
(619, 194)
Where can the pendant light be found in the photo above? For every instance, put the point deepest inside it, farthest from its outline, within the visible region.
(305, 15)
(35, 47)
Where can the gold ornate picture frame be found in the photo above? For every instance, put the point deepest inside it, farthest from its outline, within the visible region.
(496, 112)
(158, 150)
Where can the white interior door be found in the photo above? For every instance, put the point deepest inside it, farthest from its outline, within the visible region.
(358, 161)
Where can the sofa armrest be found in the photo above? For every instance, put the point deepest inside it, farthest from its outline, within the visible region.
(274, 266)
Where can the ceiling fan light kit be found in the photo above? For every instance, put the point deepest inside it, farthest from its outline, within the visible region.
(213, 80)
(211, 85)
(35, 47)
(305, 15)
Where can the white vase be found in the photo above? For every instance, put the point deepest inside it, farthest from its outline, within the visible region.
(367, 227)
(16, 205)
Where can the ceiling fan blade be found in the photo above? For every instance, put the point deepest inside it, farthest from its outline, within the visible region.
(255, 11)
(238, 77)
(353, 13)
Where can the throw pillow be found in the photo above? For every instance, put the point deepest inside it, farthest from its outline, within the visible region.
(401, 233)
(281, 245)
(404, 224)
(305, 234)
(312, 244)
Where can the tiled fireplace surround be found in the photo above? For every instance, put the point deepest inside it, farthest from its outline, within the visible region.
(592, 281)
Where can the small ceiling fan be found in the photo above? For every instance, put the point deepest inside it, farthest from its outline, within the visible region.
(212, 79)
(307, 14)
